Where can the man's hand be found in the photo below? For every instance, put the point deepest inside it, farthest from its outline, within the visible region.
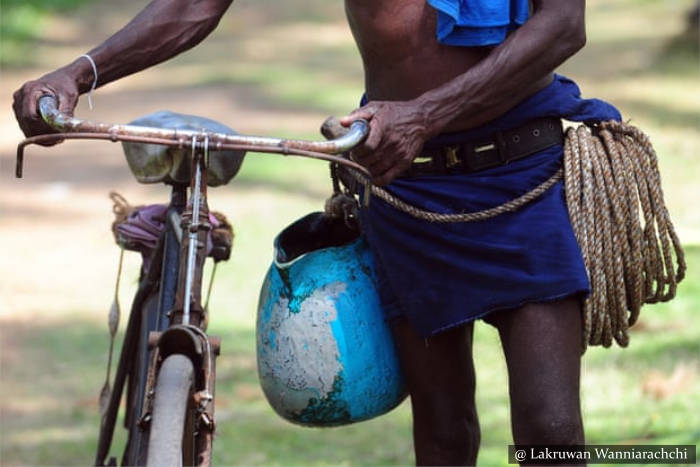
(59, 84)
(163, 29)
(397, 132)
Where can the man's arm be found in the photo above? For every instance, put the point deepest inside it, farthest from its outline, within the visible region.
(553, 34)
(160, 31)
(496, 84)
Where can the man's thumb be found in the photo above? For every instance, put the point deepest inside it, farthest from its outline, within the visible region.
(359, 114)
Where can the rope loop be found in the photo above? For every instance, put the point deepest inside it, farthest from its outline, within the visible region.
(632, 258)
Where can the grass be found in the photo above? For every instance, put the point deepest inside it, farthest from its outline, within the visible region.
(21, 24)
(648, 393)
(58, 427)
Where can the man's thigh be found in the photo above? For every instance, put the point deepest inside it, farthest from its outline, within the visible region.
(439, 373)
(439, 364)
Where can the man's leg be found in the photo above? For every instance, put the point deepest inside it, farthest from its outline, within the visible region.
(439, 372)
(542, 345)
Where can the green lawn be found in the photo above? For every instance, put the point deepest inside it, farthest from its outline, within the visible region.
(22, 22)
(648, 393)
(58, 412)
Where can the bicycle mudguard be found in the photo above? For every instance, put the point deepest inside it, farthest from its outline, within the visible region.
(153, 163)
(326, 356)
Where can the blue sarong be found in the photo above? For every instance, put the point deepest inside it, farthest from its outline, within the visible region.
(439, 275)
(473, 23)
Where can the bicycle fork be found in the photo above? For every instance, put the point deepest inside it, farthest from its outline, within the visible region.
(202, 350)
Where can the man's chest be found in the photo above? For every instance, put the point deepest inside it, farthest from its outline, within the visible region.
(391, 22)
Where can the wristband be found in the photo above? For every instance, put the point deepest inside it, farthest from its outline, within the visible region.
(94, 82)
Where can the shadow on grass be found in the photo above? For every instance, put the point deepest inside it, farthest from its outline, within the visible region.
(52, 371)
(58, 368)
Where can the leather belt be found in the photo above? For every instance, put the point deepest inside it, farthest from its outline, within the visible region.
(503, 147)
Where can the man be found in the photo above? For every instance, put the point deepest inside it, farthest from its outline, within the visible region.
(418, 88)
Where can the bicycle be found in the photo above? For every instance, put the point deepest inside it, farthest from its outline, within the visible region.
(167, 360)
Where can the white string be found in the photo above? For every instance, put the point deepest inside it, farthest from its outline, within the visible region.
(94, 82)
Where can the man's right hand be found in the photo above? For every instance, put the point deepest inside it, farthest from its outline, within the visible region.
(163, 29)
(60, 84)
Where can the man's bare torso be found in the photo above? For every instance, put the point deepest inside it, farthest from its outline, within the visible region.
(401, 55)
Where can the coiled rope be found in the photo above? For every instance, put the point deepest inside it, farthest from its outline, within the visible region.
(609, 173)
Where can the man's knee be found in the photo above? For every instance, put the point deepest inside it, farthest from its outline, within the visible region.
(543, 425)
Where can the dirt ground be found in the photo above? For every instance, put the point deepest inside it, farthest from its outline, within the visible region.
(57, 250)
(64, 210)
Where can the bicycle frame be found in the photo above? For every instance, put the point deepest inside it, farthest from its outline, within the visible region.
(166, 314)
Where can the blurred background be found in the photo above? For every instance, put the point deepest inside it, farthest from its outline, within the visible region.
(279, 68)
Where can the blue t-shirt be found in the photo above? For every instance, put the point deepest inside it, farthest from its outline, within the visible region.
(478, 22)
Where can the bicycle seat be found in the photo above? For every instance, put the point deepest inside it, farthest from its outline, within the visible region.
(153, 163)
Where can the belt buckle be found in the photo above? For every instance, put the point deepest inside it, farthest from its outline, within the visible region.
(451, 158)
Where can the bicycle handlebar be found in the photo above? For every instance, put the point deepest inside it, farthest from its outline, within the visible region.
(48, 107)
(74, 128)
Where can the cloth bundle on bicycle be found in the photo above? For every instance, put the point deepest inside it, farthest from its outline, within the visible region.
(153, 163)
(138, 228)
(326, 356)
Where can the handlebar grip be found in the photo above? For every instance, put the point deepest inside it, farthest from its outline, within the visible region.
(359, 129)
(361, 126)
(46, 105)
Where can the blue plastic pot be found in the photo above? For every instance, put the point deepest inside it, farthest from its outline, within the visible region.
(326, 356)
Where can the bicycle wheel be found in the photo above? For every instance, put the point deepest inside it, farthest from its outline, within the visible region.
(169, 412)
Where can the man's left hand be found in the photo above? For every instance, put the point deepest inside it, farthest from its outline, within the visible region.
(397, 132)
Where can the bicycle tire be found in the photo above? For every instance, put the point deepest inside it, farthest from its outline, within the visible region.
(173, 387)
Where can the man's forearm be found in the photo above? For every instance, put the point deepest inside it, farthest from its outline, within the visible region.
(507, 74)
(160, 31)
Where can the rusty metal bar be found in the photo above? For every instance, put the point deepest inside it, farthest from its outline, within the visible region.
(57, 137)
(48, 108)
